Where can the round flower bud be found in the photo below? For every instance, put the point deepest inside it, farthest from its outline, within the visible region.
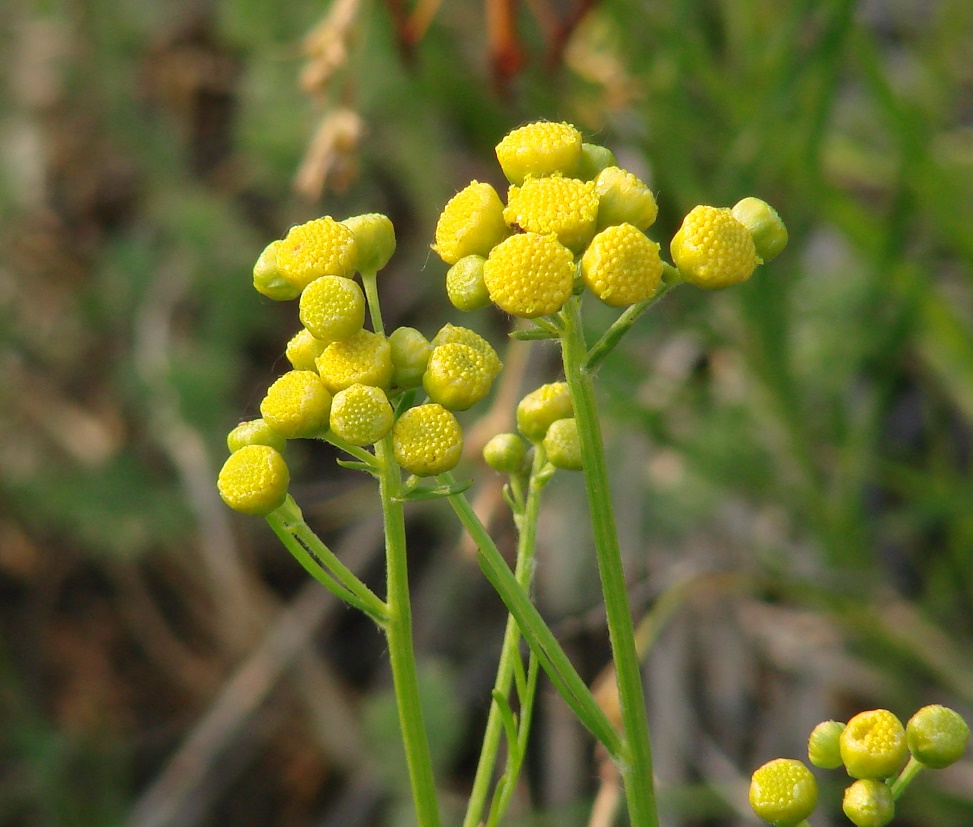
(375, 239)
(868, 803)
(873, 745)
(624, 199)
(332, 308)
(562, 445)
(594, 159)
(540, 148)
(530, 275)
(267, 279)
(542, 406)
(768, 231)
(505, 453)
(566, 207)
(254, 480)
(321, 247)
(365, 357)
(303, 349)
(783, 792)
(361, 414)
(457, 376)
(410, 355)
(823, 747)
(471, 223)
(454, 334)
(464, 284)
(712, 249)
(427, 440)
(297, 405)
(622, 266)
(254, 432)
(937, 736)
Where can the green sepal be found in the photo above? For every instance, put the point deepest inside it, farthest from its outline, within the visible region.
(355, 465)
(416, 493)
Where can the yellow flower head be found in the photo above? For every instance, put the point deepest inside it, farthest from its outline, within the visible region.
(540, 148)
(332, 308)
(873, 745)
(427, 440)
(566, 207)
(458, 376)
(622, 266)
(783, 792)
(361, 414)
(303, 349)
(542, 406)
(297, 405)
(624, 199)
(471, 223)
(365, 357)
(530, 275)
(254, 480)
(321, 247)
(454, 334)
(712, 249)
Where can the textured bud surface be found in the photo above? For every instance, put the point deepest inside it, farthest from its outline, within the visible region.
(624, 199)
(321, 247)
(505, 453)
(542, 406)
(539, 148)
(254, 480)
(712, 249)
(529, 275)
(471, 223)
(937, 736)
(454, 334)
(566, 207)
(464, 284)
(254, 432)
(783, 792)
(868, 803)
(361, 414)
(332, 308)
(365, 357)
(375, 240)
(457, 376)
(622, 266)
(297, 405)
(873, 745)
(303, 349)
(823, 747)
(427, 440)
(562, 445)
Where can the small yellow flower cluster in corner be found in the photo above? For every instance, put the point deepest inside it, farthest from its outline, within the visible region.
(873, 748)
(346, 379)
(574, 220)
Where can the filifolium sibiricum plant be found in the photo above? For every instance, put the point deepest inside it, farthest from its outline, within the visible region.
(575, 228)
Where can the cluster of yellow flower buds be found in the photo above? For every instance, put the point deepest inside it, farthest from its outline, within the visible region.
(573, 220)
(345, 377)
(875, 749)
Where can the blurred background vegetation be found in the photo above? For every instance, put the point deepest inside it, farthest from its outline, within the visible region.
(791, 458)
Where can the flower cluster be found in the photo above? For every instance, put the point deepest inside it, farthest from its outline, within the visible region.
(345, 379)
(873, 748)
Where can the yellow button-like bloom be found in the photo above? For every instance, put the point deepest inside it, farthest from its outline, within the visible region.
(783, 792)
(332, 308)
(254, 480)
(321, 247)
(622, 266)
(530, 275)
(542, 406)
(365, 357)
(624, 199)
(471, 223)
(566, 207)
(712, 249)
(540, 148)
(361, 414)
(427, 440)
(297, 405)
(454, 334)
(457, 376)
(873, 745)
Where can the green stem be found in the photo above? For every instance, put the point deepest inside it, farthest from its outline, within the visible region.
(398, 629)
(510, 650)
(370, 282)
(636, 768)
(909, 772)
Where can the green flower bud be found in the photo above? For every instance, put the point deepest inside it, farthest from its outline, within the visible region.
(937, 736)
(410, 355)
(332, 308)
(465, 286)
(562, 445)
(471, 223)
(868, 803)
(768, 231)
(254, 432)
(427, 440)
(624, 199)
(303, 349)
(539, 408)
(505, 453)
(823, 747)
(267, 279)
(365, 357)
(297, 405)
(873, 745)
(254, 480)
(538, 149)
(594, 159)
(361, 414)
(375, 237)
(457, 376)
(783, 792)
